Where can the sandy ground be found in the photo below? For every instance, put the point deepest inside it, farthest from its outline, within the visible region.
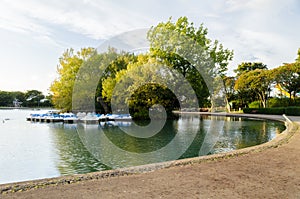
(271, 173)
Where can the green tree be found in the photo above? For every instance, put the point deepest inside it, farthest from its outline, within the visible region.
(249, 66)
(87, 91)
(33, 98)
(6, 99)
(288, 77)
(230, 92)
(62, 87)
(108, 79)
(298, 56)
(141, 86)
(79, 71)
(257, 81)
(195, 49)
(150, 95)
(247, 95)
(20, 96)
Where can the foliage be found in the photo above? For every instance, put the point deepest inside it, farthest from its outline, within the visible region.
(245, 95)
(149, 95)
(31, 98)
(231, 94)
(298, 56)
(99, 68)
(229, 86)
(278, 102)
(115, 71)
(288, 77)
(6, 98)
(147, 74)
(292, 111)
(141, 86)
(183, 47)
(257, 81)
(255, 104)
(75, 88)
(249, 66)
(269, 111)
(62, 87)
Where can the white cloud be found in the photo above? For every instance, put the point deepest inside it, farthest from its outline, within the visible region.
(266, 31)
(96, 19)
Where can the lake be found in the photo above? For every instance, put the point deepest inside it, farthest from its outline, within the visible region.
(41, 150)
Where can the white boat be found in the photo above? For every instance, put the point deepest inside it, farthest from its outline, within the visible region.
(47, 116)
(69, 117)
(90, 118)
(119, 117)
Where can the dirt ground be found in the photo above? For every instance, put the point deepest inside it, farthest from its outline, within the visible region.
(271, 173)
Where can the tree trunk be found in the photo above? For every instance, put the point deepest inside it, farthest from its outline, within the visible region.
(290, 101)
(103, 104)
(263, 100)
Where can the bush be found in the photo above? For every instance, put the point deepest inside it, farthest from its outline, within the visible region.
(255, 104)
(293, 111)
(278, 102)
(270, 111)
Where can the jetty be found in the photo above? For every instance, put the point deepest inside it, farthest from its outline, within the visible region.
(70, 118)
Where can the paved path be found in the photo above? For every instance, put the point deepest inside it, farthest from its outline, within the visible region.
(271, 173)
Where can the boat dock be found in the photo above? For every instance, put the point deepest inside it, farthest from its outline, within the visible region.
(70, 118)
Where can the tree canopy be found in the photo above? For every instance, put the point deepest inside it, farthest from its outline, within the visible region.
(187, 49)
(249, 66)
(288, 77)
(62, 87)
(298, 56)
(178, 46)
(257, 81)
(30, 98)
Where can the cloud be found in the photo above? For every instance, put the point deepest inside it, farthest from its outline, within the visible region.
(96, 19)
(266, 31)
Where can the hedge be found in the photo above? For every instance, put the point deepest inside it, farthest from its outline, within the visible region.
(293, 111)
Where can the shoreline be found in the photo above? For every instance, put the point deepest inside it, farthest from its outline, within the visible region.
(71, 179)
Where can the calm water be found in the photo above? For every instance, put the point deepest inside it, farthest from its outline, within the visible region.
(39, 150)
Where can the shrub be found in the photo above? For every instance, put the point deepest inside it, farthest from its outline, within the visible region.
(271, 111)
(293, 111)
(278, 102)
(255, 104)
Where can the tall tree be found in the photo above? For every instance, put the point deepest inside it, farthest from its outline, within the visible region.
(288, 76)
(229, 82)
(33, 98)
(141, 86)
(183, 47)
(108, 79)
(249, 66)
(6, 98)
(298, 56)
(257, 81)
(247, 95)
(62, 87)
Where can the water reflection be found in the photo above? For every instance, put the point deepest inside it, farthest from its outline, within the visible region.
(74, 158)
(85, 148)
(39, 150)
(113, 147)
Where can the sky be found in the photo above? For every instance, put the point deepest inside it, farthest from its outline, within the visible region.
(35, 33)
